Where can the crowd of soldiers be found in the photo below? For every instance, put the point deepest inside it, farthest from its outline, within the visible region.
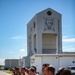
(47, 69)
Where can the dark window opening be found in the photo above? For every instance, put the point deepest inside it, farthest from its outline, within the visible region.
(34, 24)
(73, 62)
(49, 13)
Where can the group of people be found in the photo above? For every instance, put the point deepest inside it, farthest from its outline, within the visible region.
(24, 71)
(47, 69)
(50, 70)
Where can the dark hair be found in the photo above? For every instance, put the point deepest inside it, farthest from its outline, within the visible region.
(51, 68)
(12, 69)
(64, 71)
(23, 68)
(45, 65)
(32, 69)
(16, 68)
(60, 71)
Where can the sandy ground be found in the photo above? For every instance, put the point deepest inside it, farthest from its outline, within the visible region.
(3, 73)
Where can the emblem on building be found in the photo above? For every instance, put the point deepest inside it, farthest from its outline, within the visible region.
(49, 24)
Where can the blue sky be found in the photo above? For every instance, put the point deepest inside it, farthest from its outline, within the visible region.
(14, 16)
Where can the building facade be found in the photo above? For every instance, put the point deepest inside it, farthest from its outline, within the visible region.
(57, 60)
(44, 33)
(10, 63)
(44, 41)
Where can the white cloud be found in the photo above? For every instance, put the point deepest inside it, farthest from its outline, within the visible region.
(68, 40)
(64, 37)
(22, 50)
(2, 61)
(68, 44)
(69, 48)
(18, 37)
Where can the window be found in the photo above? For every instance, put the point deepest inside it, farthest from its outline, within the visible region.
(49, 13)
(34, 24)
(73, 62)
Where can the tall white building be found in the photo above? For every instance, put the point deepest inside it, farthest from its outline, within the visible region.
(44, 41)
(44, 33)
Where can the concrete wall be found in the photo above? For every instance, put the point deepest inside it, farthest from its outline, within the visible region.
(44, 23)
(31, 31)
(67, 61)
(23, 61)
(43, 27)
(58, 61)
(37, 61)
(40, 24)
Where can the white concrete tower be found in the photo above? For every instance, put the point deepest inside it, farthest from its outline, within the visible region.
(44, 33)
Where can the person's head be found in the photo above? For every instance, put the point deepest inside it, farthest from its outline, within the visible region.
(49, 70)
(34, 67)
(32, 71)
(60, 71)
(13, 70)
(27, 70)
(44, 66)
(17, 70)
(23, 69)
(64, 71)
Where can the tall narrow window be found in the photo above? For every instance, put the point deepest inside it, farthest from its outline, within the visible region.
(34, 24)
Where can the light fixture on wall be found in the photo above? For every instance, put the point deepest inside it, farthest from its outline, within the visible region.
(32, 60)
